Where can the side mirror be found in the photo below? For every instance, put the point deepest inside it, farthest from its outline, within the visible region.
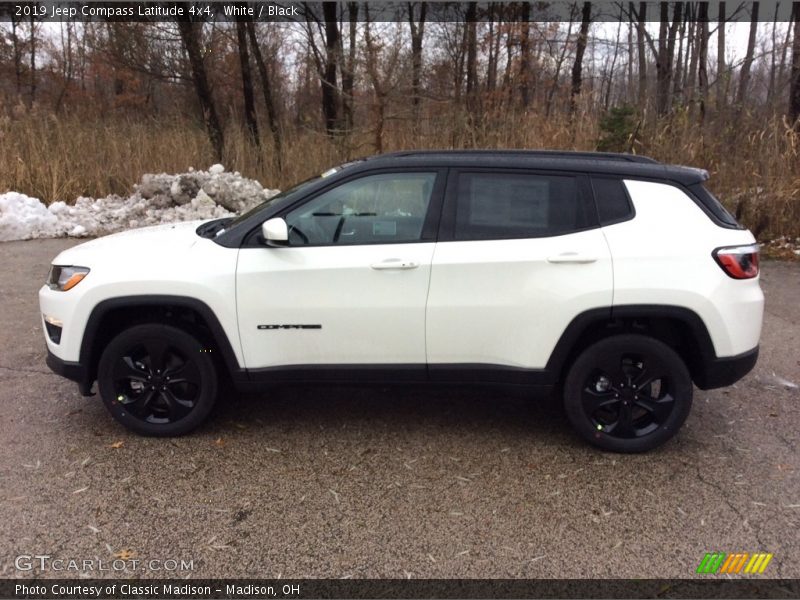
(276, 232)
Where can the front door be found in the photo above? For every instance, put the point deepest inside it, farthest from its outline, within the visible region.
(351, 286)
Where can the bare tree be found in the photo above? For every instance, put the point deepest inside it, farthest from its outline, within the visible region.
(190, 32)
(702, 57)
(33, 55)
(525, 55)
(329, 87)
(577, 66)
(559, 62)
(472, 61)
(327, 63)
(722, 72)
(250, 118)
(641, 32)
(380, 75)
(664, 55)
(744, 74)
(417, 28)
(349, 67)
(794, 88)
(495, 10)
(266, 89)
(17, 53)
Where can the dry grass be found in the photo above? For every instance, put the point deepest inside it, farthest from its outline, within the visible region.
(754, 165)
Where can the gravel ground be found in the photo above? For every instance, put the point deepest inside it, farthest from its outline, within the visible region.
(392, 483)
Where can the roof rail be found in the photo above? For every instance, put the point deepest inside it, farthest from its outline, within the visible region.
(634, 158)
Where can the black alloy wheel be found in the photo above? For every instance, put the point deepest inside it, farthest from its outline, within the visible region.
(157, 380)
(628, 393)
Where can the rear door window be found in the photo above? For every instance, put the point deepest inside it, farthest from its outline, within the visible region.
(518, 205)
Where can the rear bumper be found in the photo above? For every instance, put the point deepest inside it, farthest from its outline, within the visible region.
(73, 371)
(722, 372)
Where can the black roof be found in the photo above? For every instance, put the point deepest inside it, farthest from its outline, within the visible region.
(630, 165)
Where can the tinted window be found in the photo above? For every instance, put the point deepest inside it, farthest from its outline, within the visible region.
(376, 209)
(612, 201)
(506, 205)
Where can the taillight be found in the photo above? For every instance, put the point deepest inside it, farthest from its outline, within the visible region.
(739, 262)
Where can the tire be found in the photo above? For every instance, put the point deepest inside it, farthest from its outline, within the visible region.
(157, 380)
(628, 393)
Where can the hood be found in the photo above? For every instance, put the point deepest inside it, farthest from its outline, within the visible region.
(141, 245)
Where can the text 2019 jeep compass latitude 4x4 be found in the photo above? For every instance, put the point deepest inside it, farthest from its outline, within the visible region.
(613, 278)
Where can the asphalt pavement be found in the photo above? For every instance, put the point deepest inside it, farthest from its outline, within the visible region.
(389, 482)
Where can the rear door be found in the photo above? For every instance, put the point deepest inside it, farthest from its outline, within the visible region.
(520, 254)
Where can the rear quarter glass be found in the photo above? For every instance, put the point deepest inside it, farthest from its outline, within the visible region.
(719, 213)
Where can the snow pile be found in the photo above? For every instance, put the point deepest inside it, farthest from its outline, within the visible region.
(23, 218)
(160, 198)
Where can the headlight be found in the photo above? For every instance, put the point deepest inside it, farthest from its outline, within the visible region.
(65, 278)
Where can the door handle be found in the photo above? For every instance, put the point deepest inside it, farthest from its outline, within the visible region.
(572, 257)
(394, 263)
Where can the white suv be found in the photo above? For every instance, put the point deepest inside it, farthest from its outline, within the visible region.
(613, 279)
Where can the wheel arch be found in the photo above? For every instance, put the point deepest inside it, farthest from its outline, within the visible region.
(111, 316)
(680, 328)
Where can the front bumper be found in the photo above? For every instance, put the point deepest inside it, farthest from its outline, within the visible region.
(73, 371)
(722, 372)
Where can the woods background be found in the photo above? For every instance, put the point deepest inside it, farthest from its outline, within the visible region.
(87, 108)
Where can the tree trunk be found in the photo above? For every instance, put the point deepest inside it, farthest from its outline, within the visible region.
(642, 55)
(67, 70)
(525, 56)
(612, 68)
(507, 71)
(629, 86)
(377, 84)
(417, 35)
(664, 56)
(17, 54)
(330, 88)
(33, 58)
(744, 74)
(251, 121)
(773, 62)
(580, 48)
(692, 70)
(472, 61)
(722, 74)
(702, 58)
(557, 71)
(266, 89)
(190, 36)
(677, 80)
(794, 88)
(784, 51)
(677, 15)
(348, 68)
(491, 62)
